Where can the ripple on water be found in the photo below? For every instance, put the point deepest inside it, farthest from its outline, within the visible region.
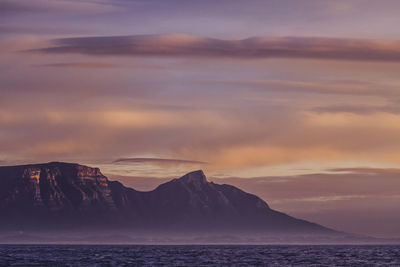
(66, 255)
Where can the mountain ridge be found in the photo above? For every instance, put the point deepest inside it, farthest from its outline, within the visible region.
(62, 195)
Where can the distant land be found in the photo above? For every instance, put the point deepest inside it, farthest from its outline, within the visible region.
(66, 202)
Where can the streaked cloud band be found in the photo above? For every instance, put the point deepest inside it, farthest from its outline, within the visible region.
(256, 47)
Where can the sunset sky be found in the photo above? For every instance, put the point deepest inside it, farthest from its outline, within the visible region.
(296, 101)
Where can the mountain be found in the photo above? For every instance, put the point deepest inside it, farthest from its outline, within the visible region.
(59, 195)
(192, 203)
(54, 195)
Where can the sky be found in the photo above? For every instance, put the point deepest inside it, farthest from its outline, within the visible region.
(300, 94)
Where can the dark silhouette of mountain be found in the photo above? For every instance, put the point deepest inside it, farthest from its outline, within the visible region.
(63, 195)
(54, 195)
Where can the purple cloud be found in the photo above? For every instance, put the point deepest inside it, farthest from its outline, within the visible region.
(257, 47)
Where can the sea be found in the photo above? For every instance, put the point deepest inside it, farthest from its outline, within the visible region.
(199, 255)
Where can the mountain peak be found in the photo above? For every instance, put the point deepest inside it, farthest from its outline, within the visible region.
(195, 177)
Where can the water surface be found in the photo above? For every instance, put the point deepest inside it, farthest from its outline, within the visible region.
(196, 255)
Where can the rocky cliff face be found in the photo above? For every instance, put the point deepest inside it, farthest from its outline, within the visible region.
(54, 191)
(71, 195)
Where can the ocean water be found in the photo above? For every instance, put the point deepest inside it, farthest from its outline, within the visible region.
(213, 255)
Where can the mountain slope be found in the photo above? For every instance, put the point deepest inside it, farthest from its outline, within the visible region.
(192, 203)
(62, 195)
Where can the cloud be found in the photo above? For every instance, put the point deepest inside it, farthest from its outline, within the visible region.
(358, 109)
(88, 65)
(348, 87)
(367, 170)
(10, 7)
(328, 198)
(99, 65)
(228, 141)
(158, 161)
(125, 112)
(17, 29)
(257, 47)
